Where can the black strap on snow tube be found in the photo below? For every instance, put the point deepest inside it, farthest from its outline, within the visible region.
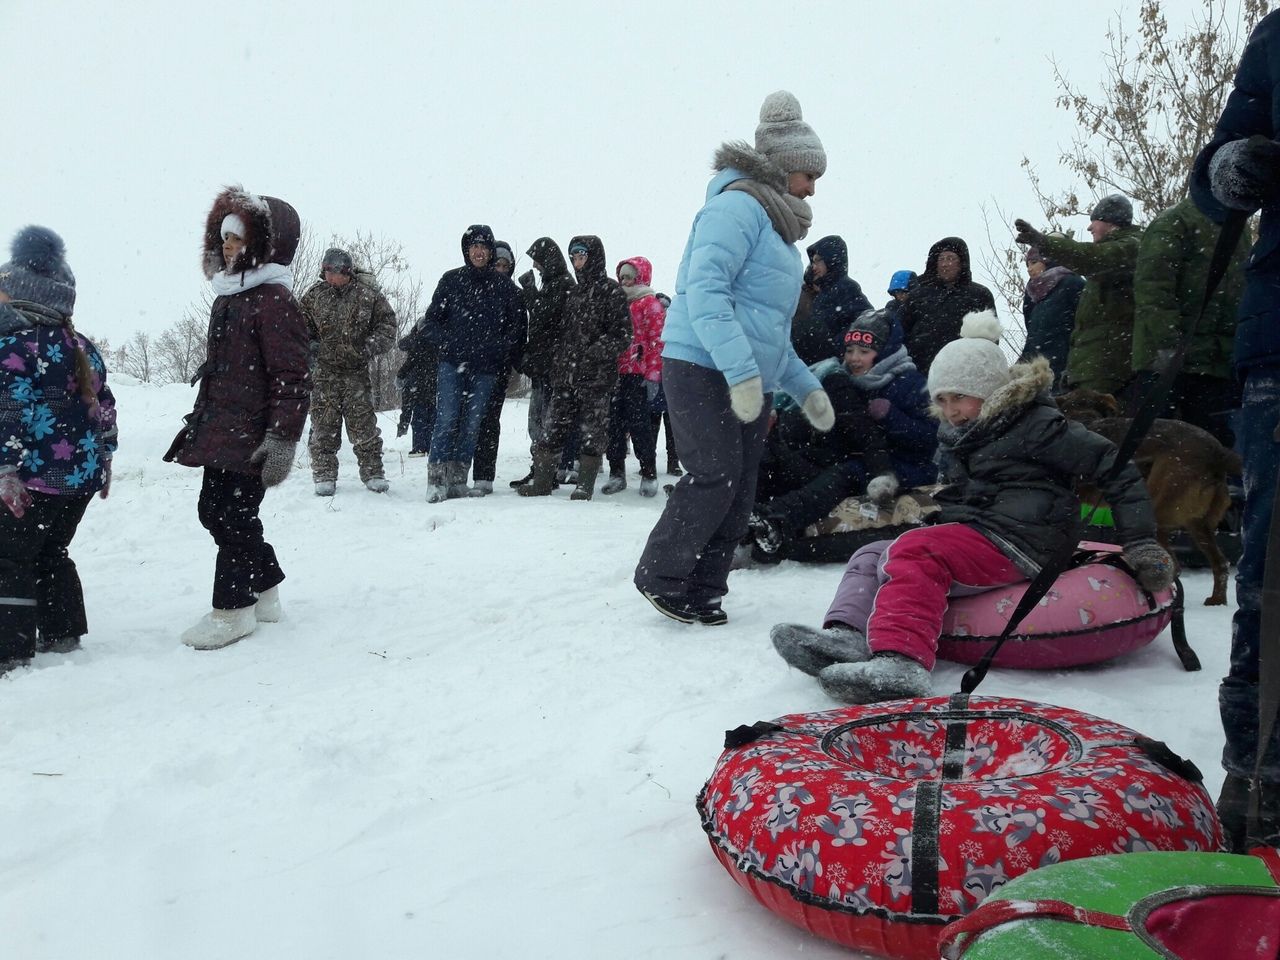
(1269, 663)
(927, 820)
(1153, 404)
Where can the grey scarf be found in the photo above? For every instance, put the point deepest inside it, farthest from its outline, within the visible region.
(884, 370)
(23, 315)
(790, 216)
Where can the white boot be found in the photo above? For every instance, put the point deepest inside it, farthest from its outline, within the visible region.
(377, 485)
(217, 628)
(326, 488)
(268, 609)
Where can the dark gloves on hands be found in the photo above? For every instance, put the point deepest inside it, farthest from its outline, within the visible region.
(1151, 564)
(1027, 233)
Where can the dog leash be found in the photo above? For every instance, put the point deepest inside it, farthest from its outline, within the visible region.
(1152, 404)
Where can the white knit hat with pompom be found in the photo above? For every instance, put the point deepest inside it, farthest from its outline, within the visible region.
(786, 139)
(974, 365)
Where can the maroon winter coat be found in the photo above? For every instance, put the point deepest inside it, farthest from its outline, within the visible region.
(255, 379)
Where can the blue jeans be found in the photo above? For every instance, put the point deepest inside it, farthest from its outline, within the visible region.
(1238, 694)
(461, 398)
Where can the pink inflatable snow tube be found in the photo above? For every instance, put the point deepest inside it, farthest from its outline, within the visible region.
(1093, 612)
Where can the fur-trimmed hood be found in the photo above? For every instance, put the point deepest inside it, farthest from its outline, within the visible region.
(751, 163)
(1029, 381)
(274, 231)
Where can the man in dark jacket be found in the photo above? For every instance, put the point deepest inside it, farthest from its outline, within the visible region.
(1168, 287)
(819, 334)
(1049, 311)
(255, 389)
(1102, 337)
(476, 318)
(940, 299)
(1240, 170)
(484, 467)
(350, 323)
(597, 326)
(545, 305)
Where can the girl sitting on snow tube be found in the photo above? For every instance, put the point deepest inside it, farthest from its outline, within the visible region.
(1009, 461)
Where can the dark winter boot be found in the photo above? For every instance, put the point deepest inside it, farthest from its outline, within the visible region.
(673, 467)
(437, 482)
(768, 534)
(456, 479)
(886, 676)
(812, 650)
(588, 470)
(1233, 811)
(517, 484)
(544, 474)
(617, 481)
(57, 644)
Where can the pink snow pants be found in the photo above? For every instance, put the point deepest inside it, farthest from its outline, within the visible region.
(908, 581)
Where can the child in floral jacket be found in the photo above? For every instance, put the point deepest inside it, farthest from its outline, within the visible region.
(57, 436)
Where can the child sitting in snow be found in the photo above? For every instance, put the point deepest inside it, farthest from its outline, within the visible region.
(1009, 461)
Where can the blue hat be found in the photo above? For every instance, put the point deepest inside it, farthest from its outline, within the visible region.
(901, 280)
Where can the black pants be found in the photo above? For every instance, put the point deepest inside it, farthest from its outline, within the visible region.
(39, 587)
(246, 564)
(690, 550)
(485, 462)
(629, 414)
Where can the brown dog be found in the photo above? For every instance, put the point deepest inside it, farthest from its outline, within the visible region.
(1185, 469)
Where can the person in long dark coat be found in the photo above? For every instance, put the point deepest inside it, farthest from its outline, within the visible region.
(940, 299)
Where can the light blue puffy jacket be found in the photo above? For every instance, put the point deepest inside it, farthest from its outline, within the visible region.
(736, 292)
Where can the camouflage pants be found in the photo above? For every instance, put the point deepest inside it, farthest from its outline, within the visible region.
(585, 407)
(333, 400)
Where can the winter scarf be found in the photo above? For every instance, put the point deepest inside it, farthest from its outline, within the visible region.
(790, 216)
(884, 370)
(636, 291)
(225, 284)
(1040, 287)
(23, 315)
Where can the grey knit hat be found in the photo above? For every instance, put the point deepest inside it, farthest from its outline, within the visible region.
(786, 139)
(1113, 208)
(502, 251)
(974, 365)
(37, 271)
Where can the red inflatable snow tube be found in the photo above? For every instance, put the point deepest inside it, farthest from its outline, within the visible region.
(875, 826)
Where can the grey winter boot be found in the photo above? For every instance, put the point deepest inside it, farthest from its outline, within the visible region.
(588, 470)
(326, 488)
(648, 486)
(377, 485)
(544, 474)
(438, 482)
(886, 676)
(455, 479)
(811, 650)
(617, 481)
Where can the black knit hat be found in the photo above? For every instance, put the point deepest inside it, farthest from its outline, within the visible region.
(337, 260)
(871, 330)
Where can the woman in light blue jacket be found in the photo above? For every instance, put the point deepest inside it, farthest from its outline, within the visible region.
(728, 346)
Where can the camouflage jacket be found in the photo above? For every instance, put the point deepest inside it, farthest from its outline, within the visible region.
(349, 325)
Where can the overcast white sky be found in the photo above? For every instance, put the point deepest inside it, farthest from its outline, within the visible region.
(414, 120)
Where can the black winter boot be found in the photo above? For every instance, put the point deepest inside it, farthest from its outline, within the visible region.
(544, 474)
(1233, 811)
(588, 470)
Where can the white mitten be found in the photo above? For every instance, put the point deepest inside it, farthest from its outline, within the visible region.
(747, 399)
(883, 489)
(817, 410)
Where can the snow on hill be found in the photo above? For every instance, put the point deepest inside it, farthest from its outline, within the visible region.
(470, 738)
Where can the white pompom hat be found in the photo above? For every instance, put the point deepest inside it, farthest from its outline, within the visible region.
(974, 365)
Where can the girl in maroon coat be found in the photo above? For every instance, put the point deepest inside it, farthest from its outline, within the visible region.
(251, 406)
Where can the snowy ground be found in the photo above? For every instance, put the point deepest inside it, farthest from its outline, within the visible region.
(470, 738)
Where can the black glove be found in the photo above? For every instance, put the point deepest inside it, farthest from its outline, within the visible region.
(526, 280)
(1257, 168)
(1027, 233)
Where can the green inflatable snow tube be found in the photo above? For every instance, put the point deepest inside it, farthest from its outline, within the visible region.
(1134, 906)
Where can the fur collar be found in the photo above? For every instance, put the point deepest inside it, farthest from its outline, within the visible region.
(1029, 380)
(739, 155)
